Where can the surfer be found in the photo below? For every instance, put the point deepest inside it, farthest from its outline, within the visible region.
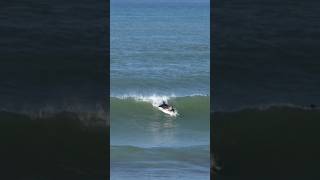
(164, 105)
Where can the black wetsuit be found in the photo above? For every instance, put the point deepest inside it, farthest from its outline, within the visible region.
(164, 105)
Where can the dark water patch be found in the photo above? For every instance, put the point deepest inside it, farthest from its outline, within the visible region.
(276, 143)
(54, 147)
(53, 51)
(266, 52)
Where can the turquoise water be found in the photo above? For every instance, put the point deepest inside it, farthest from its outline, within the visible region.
(160, 52)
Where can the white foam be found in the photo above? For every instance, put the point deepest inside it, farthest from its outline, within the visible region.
(155, 100)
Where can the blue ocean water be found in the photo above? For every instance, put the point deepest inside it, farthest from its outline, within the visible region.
(160, 48)
(160, 51)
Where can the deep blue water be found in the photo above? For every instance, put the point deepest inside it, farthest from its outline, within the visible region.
(52, 54)
(266, 53)
(266, 57)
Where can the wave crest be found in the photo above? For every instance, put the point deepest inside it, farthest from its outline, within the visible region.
(154, 99)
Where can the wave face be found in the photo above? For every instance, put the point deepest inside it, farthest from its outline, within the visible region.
(147, 143)
(137, 121)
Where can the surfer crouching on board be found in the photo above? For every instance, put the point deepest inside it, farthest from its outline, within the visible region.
(164, 105)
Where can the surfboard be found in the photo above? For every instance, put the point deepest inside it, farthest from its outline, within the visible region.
(171, 113)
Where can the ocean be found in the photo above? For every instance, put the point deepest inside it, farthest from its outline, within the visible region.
(265, 89)
(53, 89)
(53, 55)
(266, 54)
(160, 51)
